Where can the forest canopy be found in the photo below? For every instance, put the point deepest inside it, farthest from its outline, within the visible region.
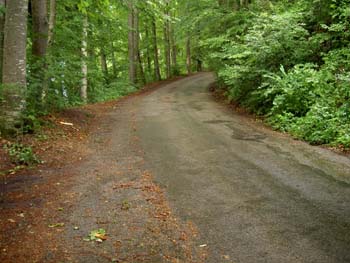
(288, 61)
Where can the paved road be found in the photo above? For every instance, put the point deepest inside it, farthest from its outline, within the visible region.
(255, 195)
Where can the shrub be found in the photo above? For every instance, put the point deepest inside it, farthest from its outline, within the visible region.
(20, 154)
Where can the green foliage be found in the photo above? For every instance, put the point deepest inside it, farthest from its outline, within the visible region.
(114, 90)
(21, 154)
(289, 61)
(98, 235)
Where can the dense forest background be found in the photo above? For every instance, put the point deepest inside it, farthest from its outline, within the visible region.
(286, 60)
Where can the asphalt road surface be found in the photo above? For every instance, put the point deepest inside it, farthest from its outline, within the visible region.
(255, 195)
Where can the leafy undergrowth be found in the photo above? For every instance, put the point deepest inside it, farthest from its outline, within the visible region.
(49, 146)
(297, 128)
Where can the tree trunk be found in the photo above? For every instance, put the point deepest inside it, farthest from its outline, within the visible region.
(40, 28)
(52, 21)
(155, 49)
(188, 56)
(167, 42)
(138, 58)
(51, 27)
(39, 48)
(114, 62)
(14, 65)
(199, 65)
(2, 26)
(148, 53)
(84, 67)
(104, 66)
(173, 50)
(131, 44)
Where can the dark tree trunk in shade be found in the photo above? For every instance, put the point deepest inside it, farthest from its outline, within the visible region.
(188, 56)
(114, 62)
(148, 53)
(104, 66)
(155, 50)
(173, 50)
(40, 28)
(137, 52)
(2, 26)
(131, 43)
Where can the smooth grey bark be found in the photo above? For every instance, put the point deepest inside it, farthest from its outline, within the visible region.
(40, 32)
(84, 67)
(131, 43)
(167, 41)
(137, 47)
(2, 26)
(173, 49)
(40, 28)
(52, 21)
(155, 50)
(148, 52)
(188, 56)
(114, 62)
(51, 27)
(14, 65)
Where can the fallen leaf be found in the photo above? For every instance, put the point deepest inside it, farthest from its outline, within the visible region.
(56, 225)
(98, 235)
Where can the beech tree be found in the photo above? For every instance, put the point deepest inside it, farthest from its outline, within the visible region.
(131, 42)
(40, 28)
(122, 44)
(84, 66)
(14, 65)
(157, 75)
(2, 26)
(167, 37)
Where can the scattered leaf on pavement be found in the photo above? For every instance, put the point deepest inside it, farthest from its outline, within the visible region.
(56, 225)
(98, 235)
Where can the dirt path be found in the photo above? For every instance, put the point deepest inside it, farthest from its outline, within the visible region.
(163, 165)
(47, 214)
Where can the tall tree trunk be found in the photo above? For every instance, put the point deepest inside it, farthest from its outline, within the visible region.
(167, 42)
(199, 65)
(155, 49)
(188, 55)
(84, 67)
(173, 50)
(148, 52)
(131, 43)
(2, 26)
(51, 27)
(14, 65)
(52, 21)
(114, 62)
(138, 58)
(104, 66)
(39, 47)
(40, 28)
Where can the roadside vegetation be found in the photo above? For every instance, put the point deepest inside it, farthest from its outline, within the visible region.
(286, 60)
